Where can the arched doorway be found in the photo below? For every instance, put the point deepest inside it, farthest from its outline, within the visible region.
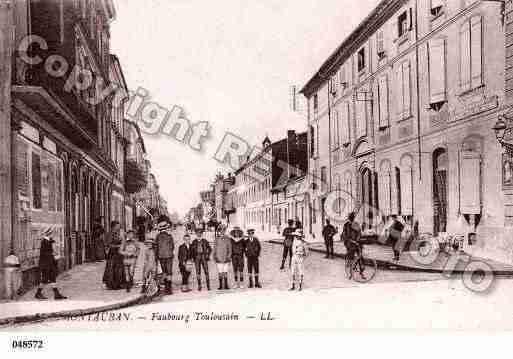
(440, 167)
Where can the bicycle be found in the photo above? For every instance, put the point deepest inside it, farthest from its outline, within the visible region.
(360, 269)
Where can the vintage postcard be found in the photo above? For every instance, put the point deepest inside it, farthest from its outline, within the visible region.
(255, 165)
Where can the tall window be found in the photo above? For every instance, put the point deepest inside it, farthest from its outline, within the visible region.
(437, 73)
(361, 59)
(403, 96)
(361, 117)
(380, 44)
(36, 181)
(403, 24)
(324, 184)
(437, 7)
(471, 50)
(335, 130)
(383, 101)
(345, 116)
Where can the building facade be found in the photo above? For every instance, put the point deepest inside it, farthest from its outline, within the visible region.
(61, 171)
(400, 121)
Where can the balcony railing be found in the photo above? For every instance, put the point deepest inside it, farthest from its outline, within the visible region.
(135, 176)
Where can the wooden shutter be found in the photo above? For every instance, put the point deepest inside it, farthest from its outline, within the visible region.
(470, 182)
(22, 168)
(337, 129)
(344, 124)
(476, 51)
(361, 118)
(383, 101)
(406, 111)
(399, 91)
(465, 56)
(380, 43)
(406, 191)
(437, 70)
(59, 187)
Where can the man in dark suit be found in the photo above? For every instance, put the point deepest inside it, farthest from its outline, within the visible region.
(185, 260)
(201, 251)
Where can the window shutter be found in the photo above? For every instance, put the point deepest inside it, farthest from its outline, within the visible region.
(344, 124)
(470, 182)
(437, 70)
(342, 76)
(58, 180)
(399, 91)
(465, 56)
(476, 51)
(337, 129)
(380, 43)
(22, 170)
(406, 191)
(361, 118)
(383, 101)
(406, 89)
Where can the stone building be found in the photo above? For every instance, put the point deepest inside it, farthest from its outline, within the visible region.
(400, 121)
(58, 104)
(261, 197)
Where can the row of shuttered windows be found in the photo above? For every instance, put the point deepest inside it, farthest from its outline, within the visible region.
(470, 77)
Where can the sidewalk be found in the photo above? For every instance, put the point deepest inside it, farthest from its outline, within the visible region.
(86, 292)
(384, 257)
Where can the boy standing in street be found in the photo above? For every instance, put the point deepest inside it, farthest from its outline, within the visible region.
(238, 250)
(47, 265)
(201, 254)
(130, 252)
(165, 252)
(288, 238)
(185, 259)
(222, 256)
(253, 253)
(299, 253)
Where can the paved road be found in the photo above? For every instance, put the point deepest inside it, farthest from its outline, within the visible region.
(322, 277)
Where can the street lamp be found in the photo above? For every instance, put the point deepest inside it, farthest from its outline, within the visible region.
(503, 130)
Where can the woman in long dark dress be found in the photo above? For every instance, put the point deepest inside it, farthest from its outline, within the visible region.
(114, 276)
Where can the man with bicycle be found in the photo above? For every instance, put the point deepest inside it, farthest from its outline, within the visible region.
(351, 234)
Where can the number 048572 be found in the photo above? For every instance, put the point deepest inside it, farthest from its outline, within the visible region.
(27, 344)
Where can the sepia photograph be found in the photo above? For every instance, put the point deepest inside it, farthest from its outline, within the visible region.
(275, 165)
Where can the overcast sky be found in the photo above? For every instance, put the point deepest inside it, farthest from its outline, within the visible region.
(228, 62)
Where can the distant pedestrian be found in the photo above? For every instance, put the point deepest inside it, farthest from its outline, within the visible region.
(114, 275)
(222, 256)
(288, 238)
(299, 253)
(328, 232)
(238, 251)
(394, 232)
(165, 252)
(185, 262)
(130, 252)
(47, 265)
(253, 249)
(201, 251)
(98, 233)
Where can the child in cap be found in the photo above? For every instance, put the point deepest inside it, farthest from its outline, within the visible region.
(299, 253)
(130, 252)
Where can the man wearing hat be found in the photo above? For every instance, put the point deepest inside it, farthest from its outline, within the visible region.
(299, 252)
(201, 254)
(47, 265)
(185, 261)
(165, 251)
(222, 256)
(253, 253)
(288, 238)
(238, 249)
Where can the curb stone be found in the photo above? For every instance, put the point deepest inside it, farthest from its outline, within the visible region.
(400, 267)
(31, 318)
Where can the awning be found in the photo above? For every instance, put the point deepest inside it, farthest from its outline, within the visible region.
(54, 112)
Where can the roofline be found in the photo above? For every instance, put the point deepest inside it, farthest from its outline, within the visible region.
(379, 15)
(117, 63)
